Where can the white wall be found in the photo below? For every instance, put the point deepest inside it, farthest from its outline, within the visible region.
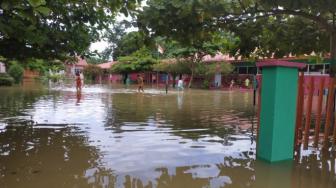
(2, 68)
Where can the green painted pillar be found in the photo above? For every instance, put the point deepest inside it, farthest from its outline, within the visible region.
(278, 110)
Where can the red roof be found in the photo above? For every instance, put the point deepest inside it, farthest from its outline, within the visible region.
(81, 62)
(106, 65)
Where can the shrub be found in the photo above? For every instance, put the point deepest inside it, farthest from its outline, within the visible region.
(92, 71)
(37, 65)
(16, 71)
(6, 80)
(55, 77)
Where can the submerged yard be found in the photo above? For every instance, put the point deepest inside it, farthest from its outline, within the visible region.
(110, 136)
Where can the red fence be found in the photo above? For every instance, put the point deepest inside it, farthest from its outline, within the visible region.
(315, 118)
(315, 121)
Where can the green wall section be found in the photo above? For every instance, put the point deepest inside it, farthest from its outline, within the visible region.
(278, 113)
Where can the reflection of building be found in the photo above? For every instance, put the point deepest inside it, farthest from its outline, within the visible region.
(72, 68)
(2, 68)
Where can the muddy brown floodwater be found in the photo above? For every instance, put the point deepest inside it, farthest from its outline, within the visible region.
(109, 136)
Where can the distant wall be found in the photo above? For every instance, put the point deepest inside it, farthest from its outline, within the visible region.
(30, 74)
(2, 68)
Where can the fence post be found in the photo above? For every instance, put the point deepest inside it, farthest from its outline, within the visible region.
(299, 111)
(278, 110)
(319, 111)
(308, 115)
(329, 112)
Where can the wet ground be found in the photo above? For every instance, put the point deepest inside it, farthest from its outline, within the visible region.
(110, 136)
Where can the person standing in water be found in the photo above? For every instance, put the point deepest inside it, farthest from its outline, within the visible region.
(81, 75)
(78, 82)
(140, 83)
(247, 83)
(232, 84)
(180, 84)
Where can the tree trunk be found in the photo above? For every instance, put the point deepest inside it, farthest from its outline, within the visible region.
(192, 75)
(174, 79)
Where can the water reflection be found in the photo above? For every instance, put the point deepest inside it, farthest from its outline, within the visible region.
(110, 137)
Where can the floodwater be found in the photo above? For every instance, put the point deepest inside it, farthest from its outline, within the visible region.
(109, 136)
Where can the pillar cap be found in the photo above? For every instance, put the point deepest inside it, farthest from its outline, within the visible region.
(280, 63)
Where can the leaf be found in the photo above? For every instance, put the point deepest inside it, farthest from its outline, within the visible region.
(43, 10)
(124, 11)
(36, 3)
(5, 5)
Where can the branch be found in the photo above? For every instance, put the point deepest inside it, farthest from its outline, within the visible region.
(231, 18)
(322, 22)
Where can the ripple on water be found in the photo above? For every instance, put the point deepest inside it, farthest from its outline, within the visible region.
(110, 136)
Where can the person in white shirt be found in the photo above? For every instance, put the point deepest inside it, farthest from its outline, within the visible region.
(180, 84)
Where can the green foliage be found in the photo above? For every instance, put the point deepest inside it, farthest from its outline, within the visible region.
(318, 58)
(266, 28)
(92, 72)
(6, 80)
(49, 29)
(115, 37)
(172, 66)
(94, 60)
(279, 37)
(55, 77)
(37, 65)
(16, 71)
(140, 60)
(208, 71)
(128, 44)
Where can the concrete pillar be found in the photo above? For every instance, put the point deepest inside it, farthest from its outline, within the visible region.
(278, 110)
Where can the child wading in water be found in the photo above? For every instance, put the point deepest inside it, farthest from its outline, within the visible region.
(78, 82)
(140, 83)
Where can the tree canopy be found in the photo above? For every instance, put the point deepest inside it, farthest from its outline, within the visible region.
(138, 61)
(274, 27)
(50, 29)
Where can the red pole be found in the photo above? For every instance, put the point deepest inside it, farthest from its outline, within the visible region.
(319, 111)
(329, 112)
(299, 111)
(309, 110)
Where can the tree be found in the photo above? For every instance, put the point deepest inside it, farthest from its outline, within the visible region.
(50, 29)
(129, 43)
(181, 17)
(138, 61)
(113, 36)
(92, 72)
(16, 71)
(208, 71)
(182, 21)
(278, 37)
(95, 60)
(173, 67)
(317, 13)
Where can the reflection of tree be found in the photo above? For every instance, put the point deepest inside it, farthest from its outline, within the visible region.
(180, 179)
(194, 112)
(15, 99)
(240, 171)
(44, 157)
